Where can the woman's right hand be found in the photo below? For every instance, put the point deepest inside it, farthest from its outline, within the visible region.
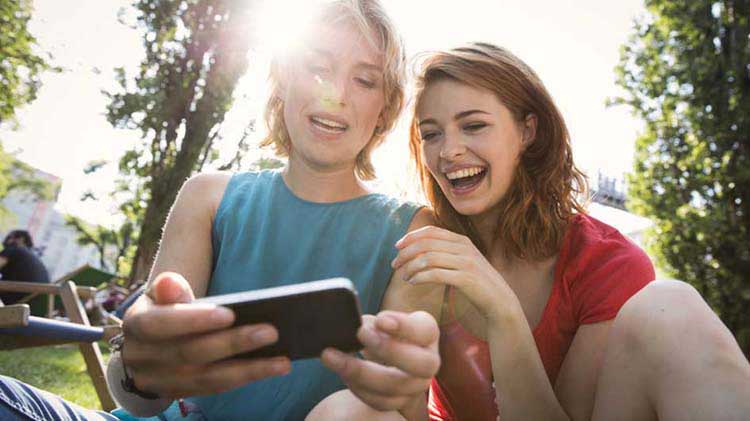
(176, 349)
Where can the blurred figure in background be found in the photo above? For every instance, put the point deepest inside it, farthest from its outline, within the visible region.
(18, 262)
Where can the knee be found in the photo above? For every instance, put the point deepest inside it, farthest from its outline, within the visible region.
(668, 314)
(343, 405)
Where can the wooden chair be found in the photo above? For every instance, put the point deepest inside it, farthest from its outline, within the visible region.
(18, 329)
(84, 276)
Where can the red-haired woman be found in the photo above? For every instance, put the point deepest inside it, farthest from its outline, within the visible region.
(548, 313)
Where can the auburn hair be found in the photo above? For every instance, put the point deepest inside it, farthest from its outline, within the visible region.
(547, 188)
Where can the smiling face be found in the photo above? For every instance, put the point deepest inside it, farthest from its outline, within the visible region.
(333, 96)
(470, 143)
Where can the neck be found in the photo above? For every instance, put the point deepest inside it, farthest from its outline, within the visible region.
(322, 185)
(485, 225)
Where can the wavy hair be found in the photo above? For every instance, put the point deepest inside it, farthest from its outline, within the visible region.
(547, 187)
(370, 17)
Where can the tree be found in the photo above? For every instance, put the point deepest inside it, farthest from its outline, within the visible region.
(20, 63)
(686, 73)
(196, 50)
(20, 67)
(117, 240)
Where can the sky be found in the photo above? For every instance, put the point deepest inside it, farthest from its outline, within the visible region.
(572, 44)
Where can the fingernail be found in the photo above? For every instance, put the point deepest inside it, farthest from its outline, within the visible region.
(399, 242)
(335, 358)
(223, 315)
(393, 263)
(262, 335)
(371, 337)
(388, 323)
(280, 366)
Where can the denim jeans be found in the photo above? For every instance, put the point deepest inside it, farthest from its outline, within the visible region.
(19, 401)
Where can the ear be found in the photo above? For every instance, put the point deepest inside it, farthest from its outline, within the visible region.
(529, 130)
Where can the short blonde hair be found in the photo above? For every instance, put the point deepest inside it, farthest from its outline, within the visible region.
(370, 17)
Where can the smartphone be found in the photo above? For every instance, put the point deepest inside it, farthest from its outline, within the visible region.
(309, 316)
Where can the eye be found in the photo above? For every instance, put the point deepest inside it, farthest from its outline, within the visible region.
(429, 135)
(474, 127)
(317, 68)
(366, 83)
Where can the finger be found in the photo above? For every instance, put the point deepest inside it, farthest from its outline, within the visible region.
(430, 231)
(437, 276)
(412, 359)
(418, 327)
(210, 379)
(171, 288)
(431, 260)
(423, 246)
(201, 349)
(373, 377)
(163, 322)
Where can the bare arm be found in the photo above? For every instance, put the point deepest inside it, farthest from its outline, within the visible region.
(185, 246)
(3, 261)
(176, 349)
(577, 379)
(402, 296)
(400, 347)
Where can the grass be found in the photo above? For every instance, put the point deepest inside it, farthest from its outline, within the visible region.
(60, 370)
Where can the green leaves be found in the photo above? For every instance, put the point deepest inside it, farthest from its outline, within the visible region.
(686, 71)
(21, 62)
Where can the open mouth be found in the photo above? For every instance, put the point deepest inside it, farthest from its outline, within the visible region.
(328, 125)
(465, 179)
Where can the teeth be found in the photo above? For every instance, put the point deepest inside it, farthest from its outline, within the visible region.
(329, 123)
(466, 172)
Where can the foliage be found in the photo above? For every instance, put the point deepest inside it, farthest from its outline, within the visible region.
(115, 245)
(196, 50)
(686, 71)
(20, 63)
(20, 67)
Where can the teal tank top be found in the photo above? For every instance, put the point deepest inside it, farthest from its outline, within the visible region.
(264, 236)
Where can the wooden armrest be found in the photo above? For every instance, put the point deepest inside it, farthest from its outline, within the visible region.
(37, 288)
(14, 315)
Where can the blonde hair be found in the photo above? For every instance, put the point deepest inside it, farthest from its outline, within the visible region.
(370, 18)
(547, 186)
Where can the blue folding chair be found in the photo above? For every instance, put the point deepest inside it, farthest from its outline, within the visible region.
(18, 329)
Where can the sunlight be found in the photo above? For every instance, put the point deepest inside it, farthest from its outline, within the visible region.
(282, 26)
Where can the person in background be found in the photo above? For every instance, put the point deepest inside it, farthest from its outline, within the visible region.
(18, 262)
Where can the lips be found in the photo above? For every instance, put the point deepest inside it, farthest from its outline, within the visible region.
(466, 179)
(327, 124)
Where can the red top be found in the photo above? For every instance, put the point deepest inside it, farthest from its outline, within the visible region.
(597, 270)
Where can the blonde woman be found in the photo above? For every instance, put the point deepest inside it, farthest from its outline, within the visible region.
(333, 102)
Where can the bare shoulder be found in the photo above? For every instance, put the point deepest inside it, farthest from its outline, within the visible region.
(205, 190)
(424, 217)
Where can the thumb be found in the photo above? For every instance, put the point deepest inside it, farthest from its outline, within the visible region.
(171, 288)
(418, 327)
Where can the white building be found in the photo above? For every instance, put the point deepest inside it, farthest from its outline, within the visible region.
(55, 241)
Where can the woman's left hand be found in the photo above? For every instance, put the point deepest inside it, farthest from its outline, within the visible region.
(435, 255)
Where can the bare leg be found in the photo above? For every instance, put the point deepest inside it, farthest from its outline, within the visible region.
(669, 357)
(343, 405)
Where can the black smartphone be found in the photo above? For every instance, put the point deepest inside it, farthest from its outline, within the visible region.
(309, 316)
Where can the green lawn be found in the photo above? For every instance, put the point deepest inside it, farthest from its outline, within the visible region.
(60, 370)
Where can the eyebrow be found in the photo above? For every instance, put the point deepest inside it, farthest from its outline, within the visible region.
(459, 116)
(364, 64)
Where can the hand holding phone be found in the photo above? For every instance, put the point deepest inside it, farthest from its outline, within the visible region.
(309, 316)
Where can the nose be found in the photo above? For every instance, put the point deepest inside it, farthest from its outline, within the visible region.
(334, 92)
(453, 146)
